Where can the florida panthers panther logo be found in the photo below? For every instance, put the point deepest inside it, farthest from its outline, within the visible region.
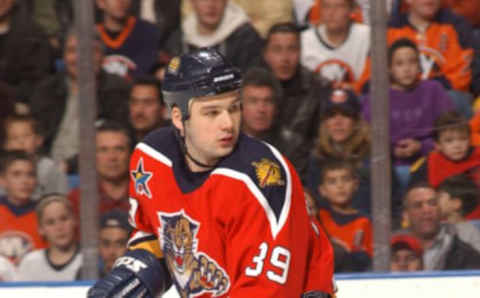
(194, 272)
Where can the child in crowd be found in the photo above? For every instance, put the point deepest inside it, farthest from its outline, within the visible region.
(458, 197)
(414, 106)
(345, 226)
(62, 259)
(453, 155)
(22, 133)
(407, 253)
(18, 221)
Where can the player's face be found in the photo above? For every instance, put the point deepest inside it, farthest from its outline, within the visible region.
(405, 260)
(209, 12)
(453, 144)
(146, 111)
(57, 225)
(405, 68)
(258, 109)
(213, 127)
(424, 8)
(423, 212)
(112, 245)
(116, 9)
(282, 54)
(70, 56)
(19, 181)
(336, 14)
(113, 153)
(21, 136)
(339, 127)
(338, 187)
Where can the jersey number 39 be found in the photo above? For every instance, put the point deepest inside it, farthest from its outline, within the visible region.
(280, 259)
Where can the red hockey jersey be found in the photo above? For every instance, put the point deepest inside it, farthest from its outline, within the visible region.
(240, 230)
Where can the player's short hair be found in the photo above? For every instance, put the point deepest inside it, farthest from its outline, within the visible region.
(148, 80)
(7, 158)
(47, 199)
(113, 126)
(450, 121)
(257, 76)
(461, 187)
(401, 43)
(337, 164)
(286, 27)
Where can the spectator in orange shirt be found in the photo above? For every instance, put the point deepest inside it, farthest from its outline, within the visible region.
(18, 221)
(345, 225)
(446, 45)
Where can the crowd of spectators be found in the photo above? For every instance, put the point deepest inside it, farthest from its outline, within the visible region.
(306, 68)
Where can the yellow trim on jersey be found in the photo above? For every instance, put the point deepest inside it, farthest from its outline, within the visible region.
(151, 246)
(416, 165)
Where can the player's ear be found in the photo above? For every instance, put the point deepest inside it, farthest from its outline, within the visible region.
(177, 119)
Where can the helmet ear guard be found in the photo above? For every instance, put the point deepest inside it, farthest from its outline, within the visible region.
(204, 72)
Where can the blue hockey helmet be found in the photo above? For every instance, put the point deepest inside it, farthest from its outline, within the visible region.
(204, 72)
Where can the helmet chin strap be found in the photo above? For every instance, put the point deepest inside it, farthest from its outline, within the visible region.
(183, 147)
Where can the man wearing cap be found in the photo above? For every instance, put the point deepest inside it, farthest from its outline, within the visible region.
(217, 213)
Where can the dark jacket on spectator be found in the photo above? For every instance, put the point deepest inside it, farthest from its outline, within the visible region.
(48, 102)
(241, 46)
(167, 14)
(25, 54)
(461, 256)
(299, 114)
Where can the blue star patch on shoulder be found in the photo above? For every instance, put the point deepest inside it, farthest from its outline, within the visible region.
(141, 178)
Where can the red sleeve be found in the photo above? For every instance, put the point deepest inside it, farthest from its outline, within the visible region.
(144, 236)
(320, 272)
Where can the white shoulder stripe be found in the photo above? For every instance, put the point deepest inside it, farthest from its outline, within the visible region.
(288, 191)
(275, 226)
(139, 235)
(154, 154)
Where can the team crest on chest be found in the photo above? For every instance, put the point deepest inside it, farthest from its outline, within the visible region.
(194, 272)
(141, 178)
(268, 173)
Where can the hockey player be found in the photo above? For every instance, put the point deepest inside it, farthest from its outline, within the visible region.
(216, 212)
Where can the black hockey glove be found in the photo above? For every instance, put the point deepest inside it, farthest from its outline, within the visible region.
(137, 274)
